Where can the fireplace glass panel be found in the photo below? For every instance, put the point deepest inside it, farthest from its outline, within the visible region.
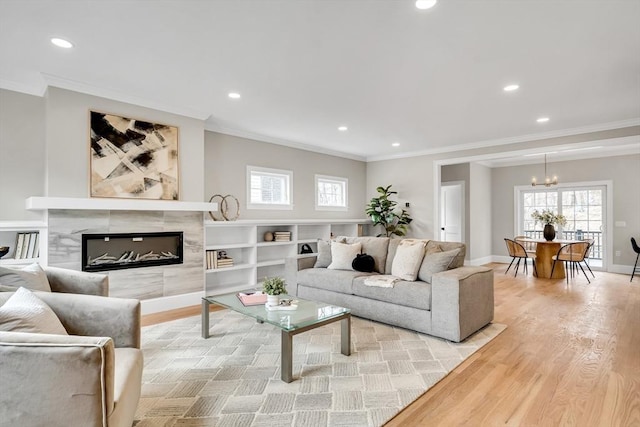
(101, 252)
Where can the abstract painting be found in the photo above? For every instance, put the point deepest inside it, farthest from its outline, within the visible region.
(133, 158)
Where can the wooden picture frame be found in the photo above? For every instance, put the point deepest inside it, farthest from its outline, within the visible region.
(132, 158)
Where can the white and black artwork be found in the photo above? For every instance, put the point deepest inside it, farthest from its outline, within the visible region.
(133, 158)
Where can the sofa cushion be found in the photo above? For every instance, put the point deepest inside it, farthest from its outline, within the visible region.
(343, 254)
(31, 277)
(377, 247)
(324, 253)
(447, 246)
(435, 262)
(393, 247)
(330, 280)
(25, 312)
(407, 260)
(411, 294)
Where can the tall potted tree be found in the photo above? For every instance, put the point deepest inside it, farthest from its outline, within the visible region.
(382, 212)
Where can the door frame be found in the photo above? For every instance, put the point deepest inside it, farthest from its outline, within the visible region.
(608, 223)
(463, 207)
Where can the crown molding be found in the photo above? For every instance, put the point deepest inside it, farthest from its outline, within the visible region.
(35, 90)
(511, 140)
(62, 83)
(212, 127)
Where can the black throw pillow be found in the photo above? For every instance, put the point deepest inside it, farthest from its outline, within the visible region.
(364, 263)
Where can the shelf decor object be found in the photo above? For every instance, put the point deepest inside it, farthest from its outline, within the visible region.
(133, 159)
(224, 208)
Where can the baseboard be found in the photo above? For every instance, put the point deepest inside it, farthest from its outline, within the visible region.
(481, 261)
(173, 302)
(621, 269)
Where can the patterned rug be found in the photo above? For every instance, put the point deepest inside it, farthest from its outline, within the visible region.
(233, 378)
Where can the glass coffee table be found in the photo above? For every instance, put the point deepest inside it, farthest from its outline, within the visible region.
(308, 315)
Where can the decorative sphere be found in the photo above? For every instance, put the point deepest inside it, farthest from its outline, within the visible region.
(268, 236)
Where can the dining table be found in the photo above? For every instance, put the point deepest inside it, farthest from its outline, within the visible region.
(545, 250)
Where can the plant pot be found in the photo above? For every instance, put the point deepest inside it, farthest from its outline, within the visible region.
(273, 300)
(549, 232)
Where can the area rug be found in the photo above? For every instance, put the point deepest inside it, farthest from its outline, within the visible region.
(233, 378)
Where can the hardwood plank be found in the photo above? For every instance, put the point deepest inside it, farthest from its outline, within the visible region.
(570, 356)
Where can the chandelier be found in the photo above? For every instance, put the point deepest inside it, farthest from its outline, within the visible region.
(548, 182)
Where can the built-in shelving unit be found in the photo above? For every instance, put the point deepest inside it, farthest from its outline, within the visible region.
(254, 258)
(8, 237)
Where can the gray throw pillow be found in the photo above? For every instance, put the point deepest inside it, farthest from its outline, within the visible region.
(25, 312)
(324, 253)
(435, 263)
(31, 277)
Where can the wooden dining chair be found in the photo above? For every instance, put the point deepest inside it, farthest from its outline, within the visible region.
(636, 249)
(517, 251)
(572, 254)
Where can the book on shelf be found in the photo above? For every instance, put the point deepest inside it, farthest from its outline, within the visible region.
(33, 242)
(282, 236)
(19, 244)
(252, 298)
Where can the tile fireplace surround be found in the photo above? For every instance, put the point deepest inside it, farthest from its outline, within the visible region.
(68, 218)
(65, 248)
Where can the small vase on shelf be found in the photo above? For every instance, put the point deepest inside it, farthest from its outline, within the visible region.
(549, 232)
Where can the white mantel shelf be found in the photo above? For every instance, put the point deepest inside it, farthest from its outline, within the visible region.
(53, 203)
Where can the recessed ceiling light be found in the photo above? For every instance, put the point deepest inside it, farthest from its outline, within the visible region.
(543, 120)
(425, 4)
(62, 43)
(395, 144)
(343, 128)
(511, 88)
(234, 95)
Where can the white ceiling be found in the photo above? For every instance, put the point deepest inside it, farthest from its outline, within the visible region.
(430, 80)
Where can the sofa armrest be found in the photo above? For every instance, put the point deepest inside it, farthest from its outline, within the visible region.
(77, 282)
(461, 301)
(55, 379)
(291, 267)
(89, 315)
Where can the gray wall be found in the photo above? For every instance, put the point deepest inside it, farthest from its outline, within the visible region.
(22, 154)
(480, 212)
(414, 178)
(227, 157)
(622, 170)
(477, 208)
(67, 138)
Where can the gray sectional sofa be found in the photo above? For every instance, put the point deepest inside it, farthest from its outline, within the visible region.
(451, 304)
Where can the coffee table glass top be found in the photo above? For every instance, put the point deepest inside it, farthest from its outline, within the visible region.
(308, 312)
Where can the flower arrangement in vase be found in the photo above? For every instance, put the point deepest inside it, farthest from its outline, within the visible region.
(273, 287)
(549, 219)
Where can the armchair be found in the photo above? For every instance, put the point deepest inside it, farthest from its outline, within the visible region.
(92, 377)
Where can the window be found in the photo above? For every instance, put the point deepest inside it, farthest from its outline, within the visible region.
(582, 206)
(269, 188)
(331, 193)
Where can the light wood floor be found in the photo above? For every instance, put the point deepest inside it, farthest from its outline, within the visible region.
(570, 356)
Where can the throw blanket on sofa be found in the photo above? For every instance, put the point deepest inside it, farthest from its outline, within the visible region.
(381, 281)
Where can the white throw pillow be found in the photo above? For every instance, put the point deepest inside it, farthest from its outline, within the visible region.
(31, 277)
(407, 261)
(342, 255)
(25, 312)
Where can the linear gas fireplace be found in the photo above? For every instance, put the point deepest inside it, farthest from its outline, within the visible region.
(101, 252)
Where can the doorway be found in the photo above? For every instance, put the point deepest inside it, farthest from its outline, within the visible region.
(452, 206)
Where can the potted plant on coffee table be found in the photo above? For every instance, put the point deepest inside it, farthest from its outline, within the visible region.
(273, 287)
(549, 219)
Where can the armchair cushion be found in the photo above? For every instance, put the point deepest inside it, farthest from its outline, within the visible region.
(31, 277)
(25, 312)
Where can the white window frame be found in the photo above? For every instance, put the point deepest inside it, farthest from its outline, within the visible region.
(345, 191)
(286, 174)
